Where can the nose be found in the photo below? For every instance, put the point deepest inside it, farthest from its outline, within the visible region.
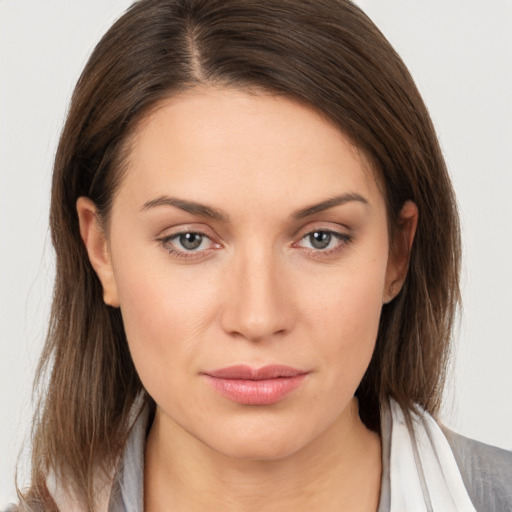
(258, 303)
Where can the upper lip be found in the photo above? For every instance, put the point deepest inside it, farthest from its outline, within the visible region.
(246, 372)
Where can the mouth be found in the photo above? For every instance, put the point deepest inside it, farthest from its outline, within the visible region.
(255, 386)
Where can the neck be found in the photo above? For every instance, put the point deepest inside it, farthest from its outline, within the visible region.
(339, 470)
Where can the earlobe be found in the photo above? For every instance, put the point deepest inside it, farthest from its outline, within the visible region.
(95, 241)
(401, 246)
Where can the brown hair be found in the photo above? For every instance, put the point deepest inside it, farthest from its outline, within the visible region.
(325, 53)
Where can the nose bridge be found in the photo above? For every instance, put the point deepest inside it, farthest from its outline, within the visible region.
(259, 305)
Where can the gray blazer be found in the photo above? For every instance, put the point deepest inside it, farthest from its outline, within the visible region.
(486, 472)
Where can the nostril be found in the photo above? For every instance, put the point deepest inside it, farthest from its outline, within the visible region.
(254, 330)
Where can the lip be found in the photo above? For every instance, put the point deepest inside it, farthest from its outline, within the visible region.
(255, 386)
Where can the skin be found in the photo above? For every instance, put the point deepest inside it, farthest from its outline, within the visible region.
(256, 291)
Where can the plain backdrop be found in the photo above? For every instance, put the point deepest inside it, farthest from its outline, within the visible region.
(460, 54)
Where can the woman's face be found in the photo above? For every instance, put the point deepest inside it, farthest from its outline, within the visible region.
(247, 234)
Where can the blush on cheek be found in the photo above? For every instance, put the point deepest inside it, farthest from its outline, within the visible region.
(163, 318)
(357, 311)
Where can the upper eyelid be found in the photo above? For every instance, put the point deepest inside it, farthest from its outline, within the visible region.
(172, 231)
(298, 234)
(184, 232)
(174, 236)
(340, 229)
(326, 229)
(337, 234)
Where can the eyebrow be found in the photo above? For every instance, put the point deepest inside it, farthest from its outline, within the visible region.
(187, 206)
(329, 203)
(213, 213)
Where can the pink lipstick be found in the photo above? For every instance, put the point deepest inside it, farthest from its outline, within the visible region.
(255, 386)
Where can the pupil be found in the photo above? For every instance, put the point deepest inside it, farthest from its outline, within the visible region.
(320, 239)
(190, 240)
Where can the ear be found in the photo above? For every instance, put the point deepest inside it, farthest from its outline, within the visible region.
(96, 245)
(400, 251)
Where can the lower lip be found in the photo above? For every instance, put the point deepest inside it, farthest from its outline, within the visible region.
(256, 392)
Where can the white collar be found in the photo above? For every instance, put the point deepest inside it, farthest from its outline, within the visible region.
(423, 473)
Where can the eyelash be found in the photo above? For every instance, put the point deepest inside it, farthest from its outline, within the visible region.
(165, 242)
(342, 240)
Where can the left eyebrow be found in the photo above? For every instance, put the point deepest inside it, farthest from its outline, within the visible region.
(327, 204)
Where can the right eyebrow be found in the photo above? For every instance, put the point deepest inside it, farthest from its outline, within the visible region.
(188, 206)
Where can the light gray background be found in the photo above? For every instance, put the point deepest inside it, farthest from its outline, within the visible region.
(460, 54)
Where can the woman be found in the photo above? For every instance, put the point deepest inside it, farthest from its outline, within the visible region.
(257, 271)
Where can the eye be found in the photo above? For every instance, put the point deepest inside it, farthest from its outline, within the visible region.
(319, 239)
(190, 241)
(187, 243)
(323, 240)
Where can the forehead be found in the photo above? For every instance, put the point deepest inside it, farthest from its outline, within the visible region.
(221, 145)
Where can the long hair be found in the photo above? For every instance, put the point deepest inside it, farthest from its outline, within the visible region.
(324, 53)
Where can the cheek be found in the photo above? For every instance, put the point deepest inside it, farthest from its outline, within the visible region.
(164, 315)
(344, 317)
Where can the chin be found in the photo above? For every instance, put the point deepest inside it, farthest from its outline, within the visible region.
(272, 448)
(259, 441)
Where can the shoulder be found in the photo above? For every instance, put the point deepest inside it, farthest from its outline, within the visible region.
(485, 470)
